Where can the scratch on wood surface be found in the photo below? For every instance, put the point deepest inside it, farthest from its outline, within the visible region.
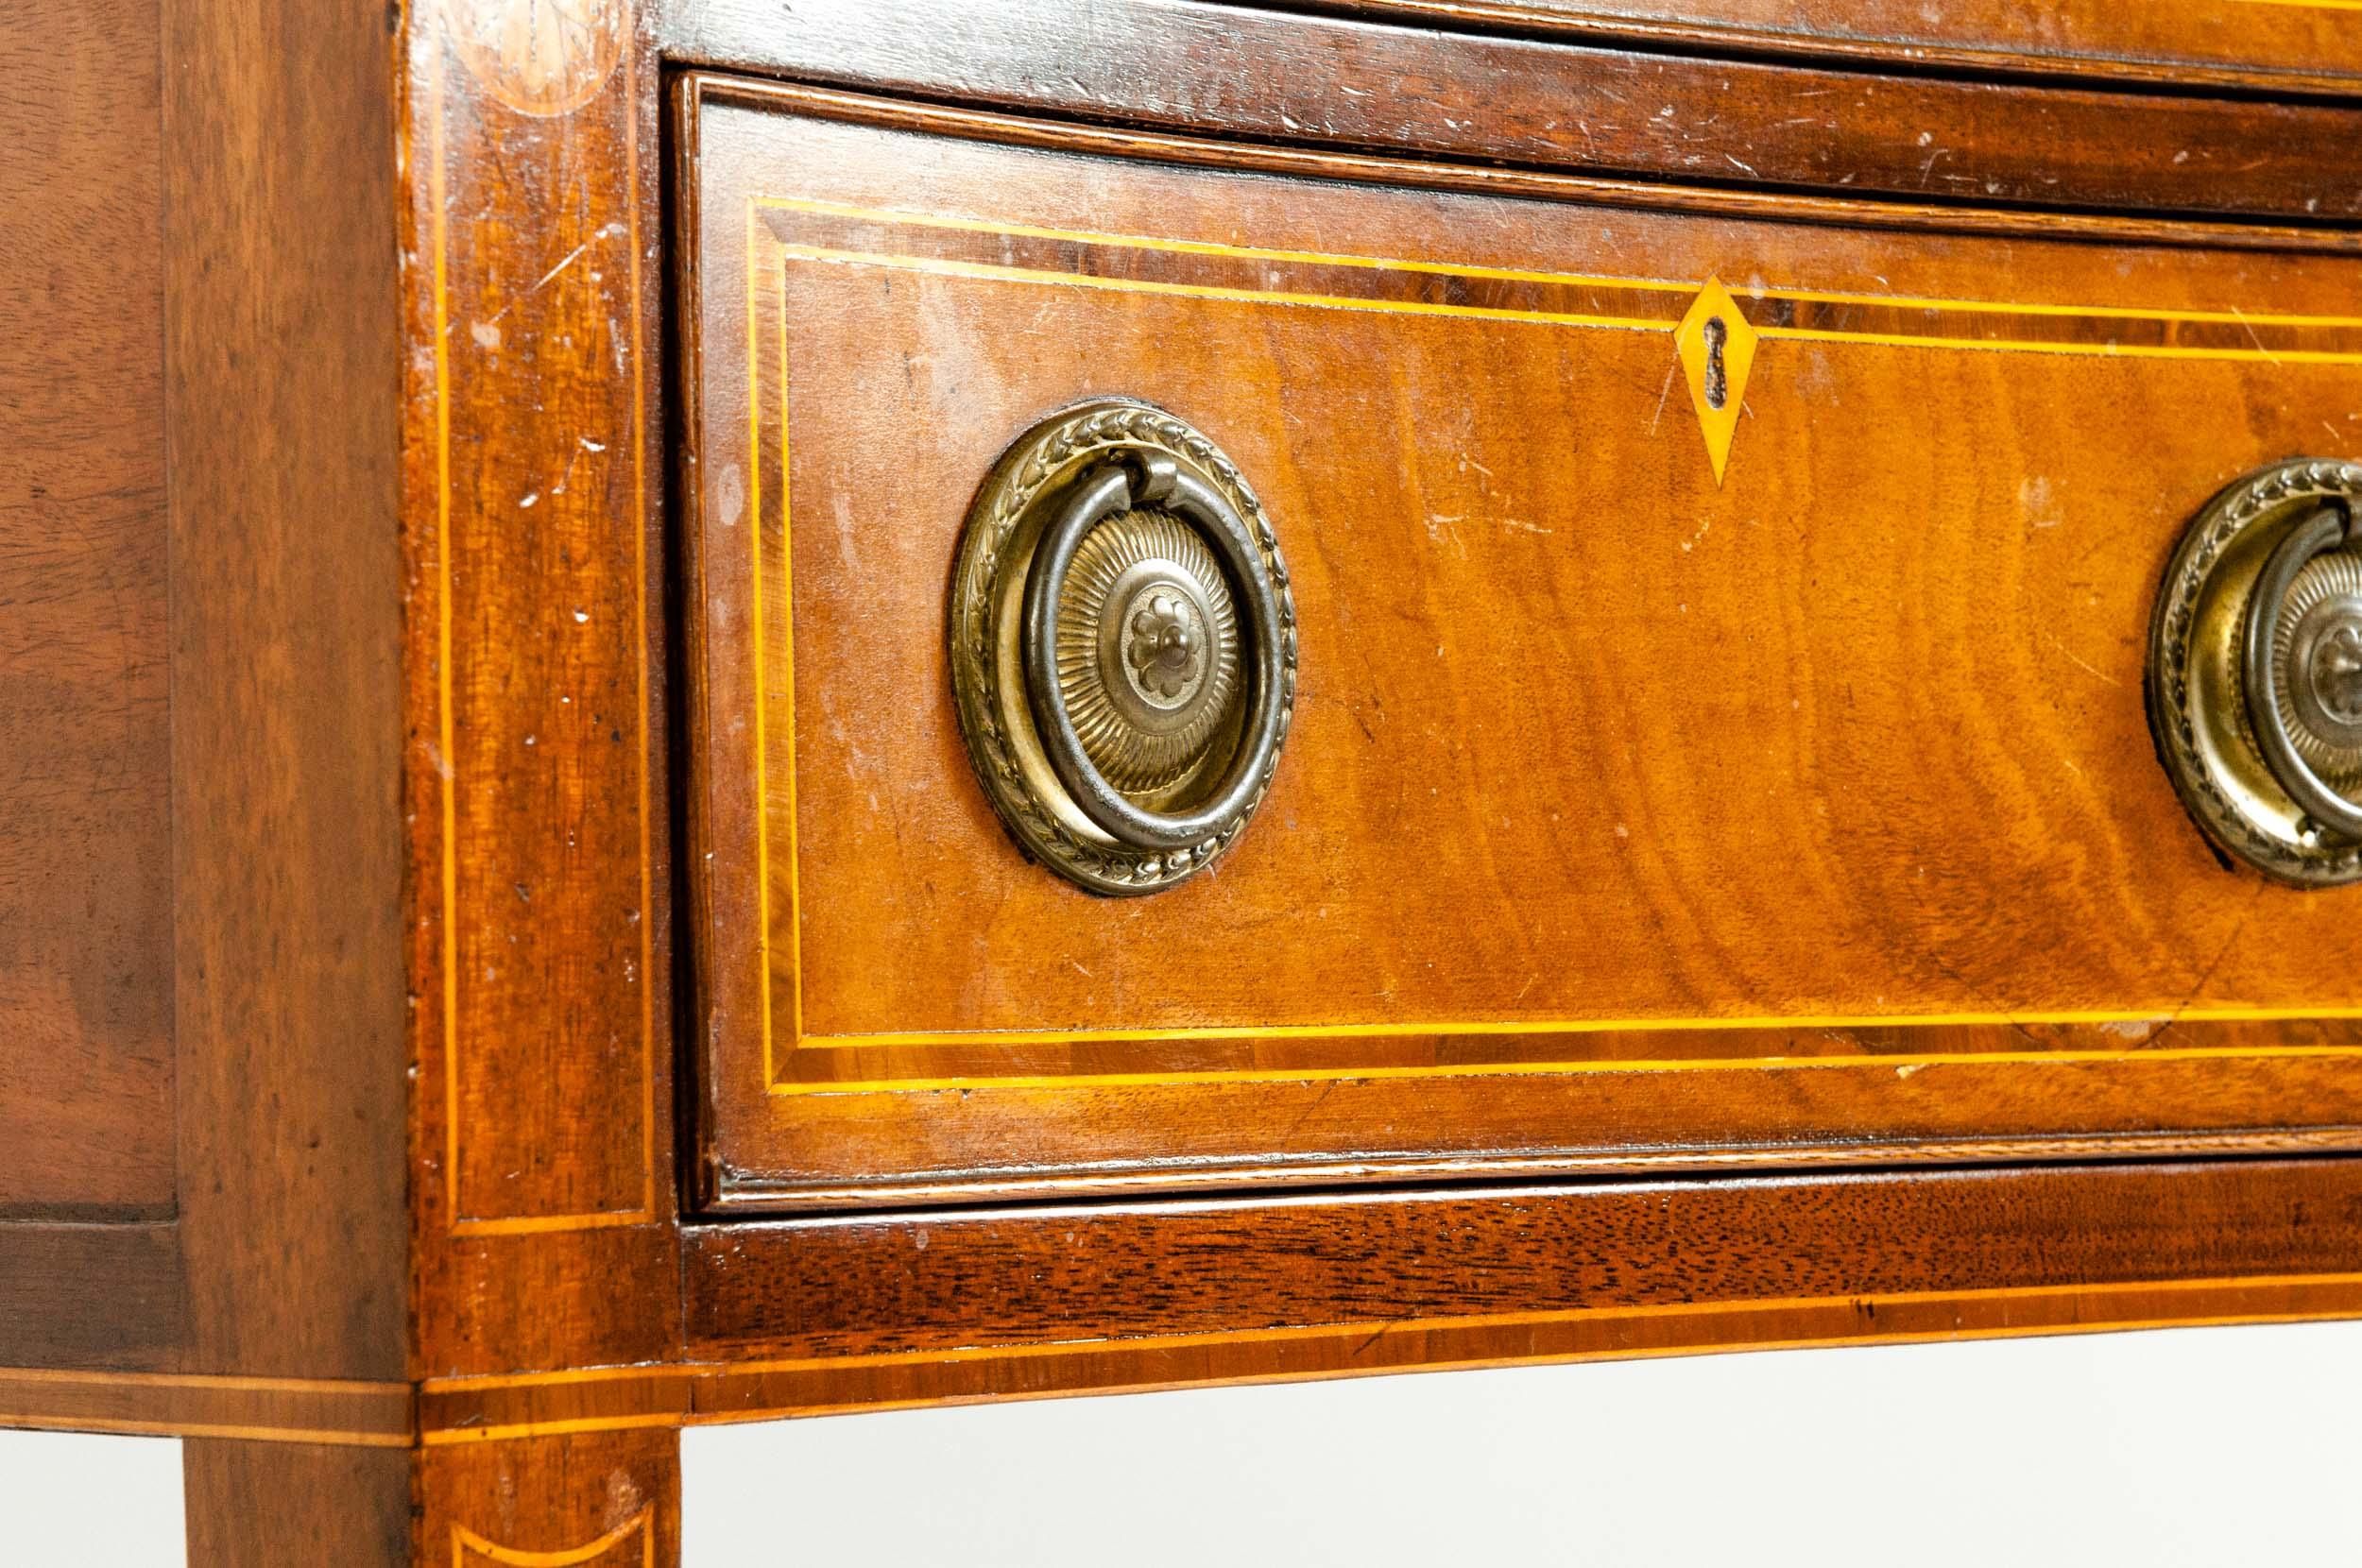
(2080, 663)
(1661, 394)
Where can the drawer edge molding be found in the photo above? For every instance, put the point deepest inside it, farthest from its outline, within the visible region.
(1655, 27)
(715, 86)
(1326, 81)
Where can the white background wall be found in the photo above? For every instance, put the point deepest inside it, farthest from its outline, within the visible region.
(2199, 1446)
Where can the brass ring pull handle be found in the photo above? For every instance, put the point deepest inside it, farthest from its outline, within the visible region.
(1108, 491)
(2255, 672)
(2327, 664)
(1123, 647)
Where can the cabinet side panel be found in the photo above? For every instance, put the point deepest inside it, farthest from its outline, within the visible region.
(281, 343)
(86, 963)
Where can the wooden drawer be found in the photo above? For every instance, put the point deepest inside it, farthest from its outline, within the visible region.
(1648, 803)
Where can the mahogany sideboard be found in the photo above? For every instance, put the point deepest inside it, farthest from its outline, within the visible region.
(713, 710)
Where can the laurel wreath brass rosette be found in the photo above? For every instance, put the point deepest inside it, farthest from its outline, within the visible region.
(1124, 646)
(2255, 672)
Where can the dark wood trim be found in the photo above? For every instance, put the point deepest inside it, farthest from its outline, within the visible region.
(1641, 26)
(809, 1315)
(111, 1295)
(844, 1313)
(1340, 83)
(1018, 1276)
(1431, 174)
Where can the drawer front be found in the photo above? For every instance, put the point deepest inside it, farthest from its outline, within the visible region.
(1668, 785)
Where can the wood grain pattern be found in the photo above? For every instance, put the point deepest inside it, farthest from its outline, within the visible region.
(287, 855)
(533, 691)
(1439, 174)
(267, 1505)
(597, 1500)
(998, 1279)
(2255, 46)
(804, 1316)
(85, 1295)
(1483, 915)
(533, 650)
(340, 537)
(86, 974)
(333, 1413)
(236, 1115)
(198, 527)
(1325, 81)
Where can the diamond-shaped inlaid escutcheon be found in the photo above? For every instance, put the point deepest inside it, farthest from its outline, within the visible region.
(1717, 349)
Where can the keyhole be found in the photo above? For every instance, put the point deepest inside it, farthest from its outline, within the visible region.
(1718, 384)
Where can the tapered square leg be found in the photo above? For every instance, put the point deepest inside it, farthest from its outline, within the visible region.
(286, 1504)
(593, 1500)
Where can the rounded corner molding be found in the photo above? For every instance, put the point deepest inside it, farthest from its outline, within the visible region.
(2255, 672)
(1124, 646)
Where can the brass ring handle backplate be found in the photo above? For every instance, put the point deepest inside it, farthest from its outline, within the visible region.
(1124, 646)
(2255, 672)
